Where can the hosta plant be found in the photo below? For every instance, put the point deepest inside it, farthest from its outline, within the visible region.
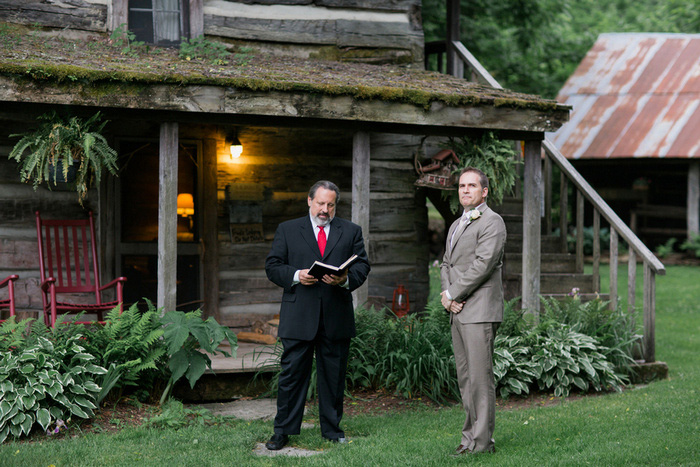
(43, 384)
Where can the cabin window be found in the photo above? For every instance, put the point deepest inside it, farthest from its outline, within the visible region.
(158, 22)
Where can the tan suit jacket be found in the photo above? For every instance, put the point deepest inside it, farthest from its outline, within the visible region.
(471, 267)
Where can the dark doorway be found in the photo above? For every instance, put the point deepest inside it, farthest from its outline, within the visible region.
(137, 244)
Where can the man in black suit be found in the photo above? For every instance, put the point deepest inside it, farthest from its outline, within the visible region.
(315, 315)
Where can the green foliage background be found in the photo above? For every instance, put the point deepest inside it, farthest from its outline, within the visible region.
(533, 46)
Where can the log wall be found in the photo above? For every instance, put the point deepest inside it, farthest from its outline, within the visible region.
(276, 169)
(283, 164)
(87, 15)
(18, 203)
(368, 30)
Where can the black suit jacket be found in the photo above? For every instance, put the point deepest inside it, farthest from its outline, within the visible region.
(295, 247)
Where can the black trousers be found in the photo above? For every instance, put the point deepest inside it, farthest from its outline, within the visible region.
(296, 363)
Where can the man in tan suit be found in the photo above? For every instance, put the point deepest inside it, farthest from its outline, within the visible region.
(473, 294)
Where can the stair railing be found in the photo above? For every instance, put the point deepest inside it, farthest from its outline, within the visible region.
(584, 192)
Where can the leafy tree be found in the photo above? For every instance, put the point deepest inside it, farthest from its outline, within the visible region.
(533, 46)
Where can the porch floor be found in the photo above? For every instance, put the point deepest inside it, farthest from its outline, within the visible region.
(249, 359)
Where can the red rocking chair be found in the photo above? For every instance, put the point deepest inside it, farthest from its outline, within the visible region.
(9, 303)
(68, 264)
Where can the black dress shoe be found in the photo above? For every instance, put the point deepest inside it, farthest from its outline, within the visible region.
(277, 442)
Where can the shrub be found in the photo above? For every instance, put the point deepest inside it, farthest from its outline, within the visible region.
(513, 368)
(45, 384)
(491, 155)
(614, 330)
(564, 358)
(200, 47)
(692, 245)
(663, 250)
(131, 341)
(184, 335)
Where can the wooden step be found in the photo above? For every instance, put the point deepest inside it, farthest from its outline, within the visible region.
(509, 206)
(584, 297)
(549, 244)
(555, 283)
(549, 263)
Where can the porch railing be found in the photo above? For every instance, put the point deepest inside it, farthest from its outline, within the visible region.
(468, 64)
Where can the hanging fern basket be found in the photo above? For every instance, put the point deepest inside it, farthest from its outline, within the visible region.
(65, 153)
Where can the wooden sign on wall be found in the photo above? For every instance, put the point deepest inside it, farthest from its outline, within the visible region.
(244, 202)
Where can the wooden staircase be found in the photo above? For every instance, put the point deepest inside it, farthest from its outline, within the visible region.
(559, 275)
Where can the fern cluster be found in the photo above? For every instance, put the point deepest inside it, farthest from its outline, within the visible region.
(493, 156)
(132, 342)
(71, 143)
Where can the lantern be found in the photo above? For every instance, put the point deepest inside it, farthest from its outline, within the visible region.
(400, 304)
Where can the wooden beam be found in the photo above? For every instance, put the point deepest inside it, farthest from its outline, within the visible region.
(360, 197)
(210, 244)
(649, 339)
(196, 18)
(563, 212)
(532, 200)
(455, 66)
(631, 282)
(547, 195)
(579, 231)
(596, 250)
(118, 14)
(693, 198)
(613, 268)
(167, 217)
(220, 101)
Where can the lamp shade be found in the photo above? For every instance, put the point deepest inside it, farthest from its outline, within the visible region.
(185, 204)
(236, 148)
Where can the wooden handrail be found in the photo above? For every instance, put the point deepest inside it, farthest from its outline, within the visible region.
(651, 264)
(566, 167)
(606, 211)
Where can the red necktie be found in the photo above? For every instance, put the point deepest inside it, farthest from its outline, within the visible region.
(321, 239)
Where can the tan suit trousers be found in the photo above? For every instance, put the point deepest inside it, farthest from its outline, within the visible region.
(473, 348)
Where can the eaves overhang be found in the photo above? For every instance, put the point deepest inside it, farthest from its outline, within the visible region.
(267, 88)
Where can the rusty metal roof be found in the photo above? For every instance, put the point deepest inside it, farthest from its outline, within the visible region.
(634, 95)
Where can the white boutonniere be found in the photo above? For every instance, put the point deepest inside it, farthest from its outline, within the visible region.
(473, 215)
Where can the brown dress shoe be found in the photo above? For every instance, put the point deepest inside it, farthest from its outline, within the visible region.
(462, 449)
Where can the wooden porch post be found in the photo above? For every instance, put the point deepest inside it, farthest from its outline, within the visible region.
(167, 216)
(210, 241)
(360, 198)
(693, 198)
(455, 67)
(532, 226)
(196, 18)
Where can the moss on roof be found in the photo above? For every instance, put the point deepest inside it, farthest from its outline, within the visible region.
(27, 54)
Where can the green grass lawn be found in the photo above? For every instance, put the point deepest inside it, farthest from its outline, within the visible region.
(656, 424)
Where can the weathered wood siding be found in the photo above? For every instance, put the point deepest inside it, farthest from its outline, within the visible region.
(352, 29)
(275, 172)
(367, 30)
(18, 203)
(283, 164)
(88, 15)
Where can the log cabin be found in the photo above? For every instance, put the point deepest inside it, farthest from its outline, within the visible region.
(312, 89)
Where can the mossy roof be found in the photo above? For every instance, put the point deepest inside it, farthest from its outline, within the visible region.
(27, 54)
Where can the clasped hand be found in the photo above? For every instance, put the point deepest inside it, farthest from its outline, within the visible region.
(450, 305)
(307, 279)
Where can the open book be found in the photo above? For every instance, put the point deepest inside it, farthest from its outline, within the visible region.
(319, 269)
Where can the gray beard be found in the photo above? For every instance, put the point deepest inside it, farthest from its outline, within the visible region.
(323, 222)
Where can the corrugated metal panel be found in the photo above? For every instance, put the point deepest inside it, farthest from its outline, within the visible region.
(634, 95)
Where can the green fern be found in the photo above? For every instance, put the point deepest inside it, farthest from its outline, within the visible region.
(491, 155)
(71, 143)
(132, 340)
